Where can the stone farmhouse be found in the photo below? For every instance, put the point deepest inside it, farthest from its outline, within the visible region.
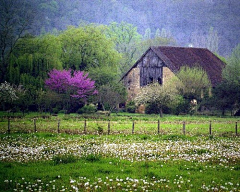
(158, 64)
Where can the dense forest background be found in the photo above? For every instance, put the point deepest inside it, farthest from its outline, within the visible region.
(104, 38)
(187, 21)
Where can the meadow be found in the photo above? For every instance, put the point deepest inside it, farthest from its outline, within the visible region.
(121, 123)
(74, 160)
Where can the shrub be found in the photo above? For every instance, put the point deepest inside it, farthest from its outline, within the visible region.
(87, 109)
(62, 111)
(151, 109)
(182, 107)
(55, 110)
(131, 107)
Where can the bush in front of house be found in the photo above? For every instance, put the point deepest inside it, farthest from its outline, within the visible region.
(131, 107)
(151, 109)
(87, 109)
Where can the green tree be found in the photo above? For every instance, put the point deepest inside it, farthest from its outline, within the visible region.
(126, 39)
(227, 94)
(231, 73)
(32, 58)
(103, 76)
(16, 19)
(25, 99)
(111, 95)
(48, 100)
(192, 83)
(87, 47)
(30, 61)
(226, 97)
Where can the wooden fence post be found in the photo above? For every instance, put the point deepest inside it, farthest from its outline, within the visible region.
(8, 125)
(184, 128)
(236, 129)
(108, 127)
(58, 125)
(158, 126)
(210, 128)
(85, 126)
(133, 128)
(35, 127)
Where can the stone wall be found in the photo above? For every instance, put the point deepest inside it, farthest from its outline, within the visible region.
(167, 74)
(132, 83)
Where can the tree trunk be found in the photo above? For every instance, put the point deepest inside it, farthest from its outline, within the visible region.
(223, 112)
(161, 112)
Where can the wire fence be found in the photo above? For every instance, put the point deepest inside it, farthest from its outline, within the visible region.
(107, 127)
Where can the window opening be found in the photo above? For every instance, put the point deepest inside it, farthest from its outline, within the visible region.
(160, 80)
(150, 80)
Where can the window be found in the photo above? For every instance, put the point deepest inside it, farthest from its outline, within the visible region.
(150, 80)
(160, 80)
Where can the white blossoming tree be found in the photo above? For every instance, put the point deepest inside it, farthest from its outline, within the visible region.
(159, 95)
(9, 93)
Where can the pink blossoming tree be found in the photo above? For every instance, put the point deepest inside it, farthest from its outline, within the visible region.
(70, 85)
(77, 84)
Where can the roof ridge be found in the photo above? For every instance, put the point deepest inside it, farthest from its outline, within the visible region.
(175, 57)
(181, 47)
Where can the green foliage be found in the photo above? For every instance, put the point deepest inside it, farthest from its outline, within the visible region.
(48, 101)
(126, 39)
(111, 95)
(87, 47)
(182, 106)
(151, 109)
(231, 73)
(192, 82)
(227, 94)
(88, 109)
(131, 107)
(32, 58)
(16, 19)
(55, 110)
(103, 76)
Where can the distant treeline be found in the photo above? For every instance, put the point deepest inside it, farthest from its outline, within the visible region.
(187, 21)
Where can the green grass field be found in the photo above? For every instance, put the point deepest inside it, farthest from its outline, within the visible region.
(121, 161)
(120, 123)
